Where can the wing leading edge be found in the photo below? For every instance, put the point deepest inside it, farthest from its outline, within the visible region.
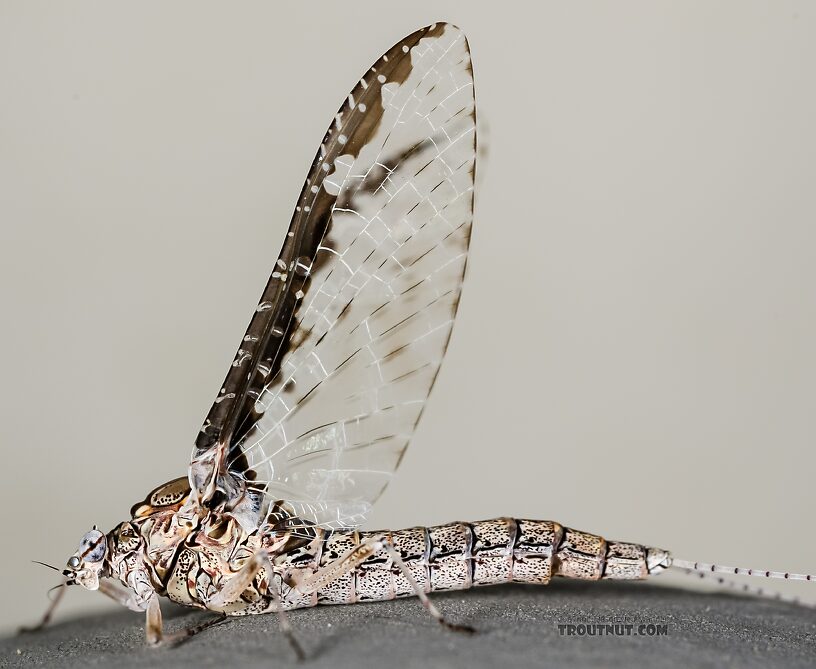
(343, 349)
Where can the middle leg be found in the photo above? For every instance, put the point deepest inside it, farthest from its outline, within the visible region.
(232, 589)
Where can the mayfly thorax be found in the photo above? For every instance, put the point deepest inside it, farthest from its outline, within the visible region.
(329, 383)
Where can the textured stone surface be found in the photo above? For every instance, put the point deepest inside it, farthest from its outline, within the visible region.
(518, 627)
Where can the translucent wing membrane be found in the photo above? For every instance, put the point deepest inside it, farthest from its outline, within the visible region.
(345, 346)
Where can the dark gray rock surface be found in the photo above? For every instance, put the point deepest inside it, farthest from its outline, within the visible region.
(518, 627)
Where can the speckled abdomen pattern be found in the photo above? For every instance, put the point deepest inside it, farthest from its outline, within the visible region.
(460, 555)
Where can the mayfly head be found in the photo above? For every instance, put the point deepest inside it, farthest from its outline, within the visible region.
(88, 563)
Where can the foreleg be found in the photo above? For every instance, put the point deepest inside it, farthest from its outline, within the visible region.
(49, 612)
(119, 595)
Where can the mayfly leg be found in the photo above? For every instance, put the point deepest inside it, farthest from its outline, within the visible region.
(338, 568)
(359, 554)
(49, 612)
(154, 627)
(117, 594)
(230, 593)
(420, 593)
(120, 595)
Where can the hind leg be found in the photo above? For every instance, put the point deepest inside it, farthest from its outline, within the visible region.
(359, 554)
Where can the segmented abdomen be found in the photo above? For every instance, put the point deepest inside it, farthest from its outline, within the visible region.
(461, 555)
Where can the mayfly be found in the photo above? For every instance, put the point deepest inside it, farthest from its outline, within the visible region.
(328, 385)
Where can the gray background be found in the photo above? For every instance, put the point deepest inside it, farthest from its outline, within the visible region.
(634, 353)
(517, 627)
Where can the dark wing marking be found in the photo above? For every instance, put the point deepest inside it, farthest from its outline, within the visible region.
(343, 349)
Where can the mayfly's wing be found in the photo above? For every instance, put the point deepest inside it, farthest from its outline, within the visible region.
(332, 375)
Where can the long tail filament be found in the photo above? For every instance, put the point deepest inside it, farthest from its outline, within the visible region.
(711, 571)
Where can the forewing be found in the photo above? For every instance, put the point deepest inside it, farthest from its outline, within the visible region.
(334, 371)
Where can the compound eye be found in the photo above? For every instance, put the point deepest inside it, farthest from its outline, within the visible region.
(74, 562)
(92, 547)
